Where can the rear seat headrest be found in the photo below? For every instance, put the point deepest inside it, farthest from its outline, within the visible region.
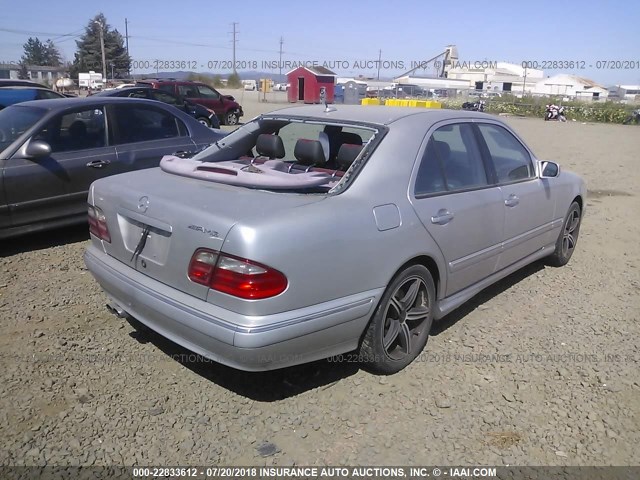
(270, 146)
(309, 152)
(443, 149)
(347, 154)
(350, 137)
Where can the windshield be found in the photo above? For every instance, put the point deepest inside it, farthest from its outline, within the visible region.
(301, 154)
(16, 120)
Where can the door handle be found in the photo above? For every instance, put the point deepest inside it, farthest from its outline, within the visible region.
(442, 217)
(98, 163)
(512, 201)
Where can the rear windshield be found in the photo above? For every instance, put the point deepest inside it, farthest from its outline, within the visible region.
(16, 120)
(243, 141)
(9, 96)
(288, 153)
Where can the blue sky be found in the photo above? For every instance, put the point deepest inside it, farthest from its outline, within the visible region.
(405, 31)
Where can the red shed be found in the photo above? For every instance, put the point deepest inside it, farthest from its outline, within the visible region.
(306, 83)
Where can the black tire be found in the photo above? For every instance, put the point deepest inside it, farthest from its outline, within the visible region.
(231, 118)
(390, 344)
(205, 121)
(568, 238)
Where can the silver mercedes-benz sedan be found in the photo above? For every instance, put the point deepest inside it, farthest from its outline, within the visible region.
(311, 232)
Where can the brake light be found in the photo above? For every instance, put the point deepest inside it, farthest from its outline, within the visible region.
(98, 223)
(236, 276)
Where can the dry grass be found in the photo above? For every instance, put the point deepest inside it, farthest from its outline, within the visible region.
(503, 439)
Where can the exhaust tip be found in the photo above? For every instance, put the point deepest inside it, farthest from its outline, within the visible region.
(116, 310)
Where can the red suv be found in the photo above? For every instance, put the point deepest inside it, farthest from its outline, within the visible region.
(227, 109)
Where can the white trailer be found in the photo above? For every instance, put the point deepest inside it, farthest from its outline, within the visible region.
(90, 81)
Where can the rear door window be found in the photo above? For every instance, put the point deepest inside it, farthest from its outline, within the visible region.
(189, 91)
(167, 88)
(165, 97)
(140, 123)
(451, 162)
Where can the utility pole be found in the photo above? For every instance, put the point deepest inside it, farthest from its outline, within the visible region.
(379, 62)
(280, 62)
(104, 59)
(126, 37)
(234, 46)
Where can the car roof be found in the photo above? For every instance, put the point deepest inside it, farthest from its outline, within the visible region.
(9, 82)
(166, 80)
(24, 87)
(61, 103)
(114, 91)
(381, 115)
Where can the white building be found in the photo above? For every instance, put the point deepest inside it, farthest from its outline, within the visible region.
(434, 83)
(571, 86)
(34, 72)
(343, 80)
(629, 92)
(497, 77)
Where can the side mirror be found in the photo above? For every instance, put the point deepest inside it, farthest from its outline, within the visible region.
(549, 169)
(38, 149)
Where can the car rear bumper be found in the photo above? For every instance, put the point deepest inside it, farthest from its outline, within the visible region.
(297, 336)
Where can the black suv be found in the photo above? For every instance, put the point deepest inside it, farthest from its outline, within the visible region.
(204, 115)
(227, 109)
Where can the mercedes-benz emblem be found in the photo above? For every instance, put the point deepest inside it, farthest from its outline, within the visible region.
(143, 204)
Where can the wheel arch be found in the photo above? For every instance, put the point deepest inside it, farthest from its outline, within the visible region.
(579, 201)
(430, 264)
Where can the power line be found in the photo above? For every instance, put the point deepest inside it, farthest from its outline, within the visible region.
(74, 34)
(28, 32)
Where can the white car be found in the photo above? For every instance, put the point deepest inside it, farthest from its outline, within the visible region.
(250, 85)
(281, 87)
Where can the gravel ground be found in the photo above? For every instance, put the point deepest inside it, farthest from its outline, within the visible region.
(540, 369)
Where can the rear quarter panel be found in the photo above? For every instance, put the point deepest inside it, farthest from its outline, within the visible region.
(333, 248)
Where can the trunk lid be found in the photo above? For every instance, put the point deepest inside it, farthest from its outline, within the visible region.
(181, 215)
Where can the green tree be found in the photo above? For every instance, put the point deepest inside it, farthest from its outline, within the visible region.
(89, 53)
(54, 59)
(23, 73)
(198, 77)
(233, 81)
(38, 53)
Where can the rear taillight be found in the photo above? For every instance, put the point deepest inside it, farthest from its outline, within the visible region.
(236, 276)
(98, 223)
